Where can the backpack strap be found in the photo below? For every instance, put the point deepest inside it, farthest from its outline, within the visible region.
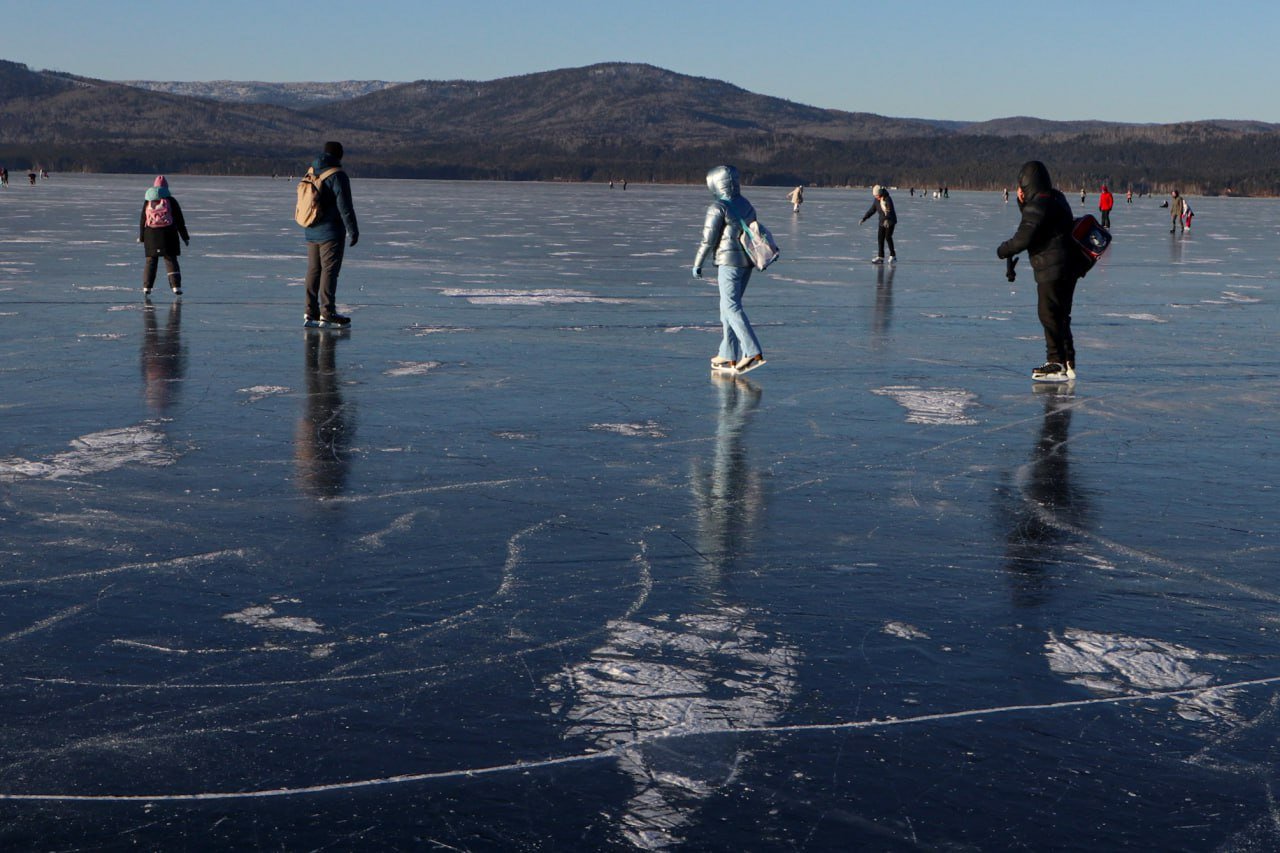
(326, 174)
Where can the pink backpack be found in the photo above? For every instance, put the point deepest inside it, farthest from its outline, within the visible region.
(158, 214)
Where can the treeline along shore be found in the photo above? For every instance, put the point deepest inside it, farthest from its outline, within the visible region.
(610, 121)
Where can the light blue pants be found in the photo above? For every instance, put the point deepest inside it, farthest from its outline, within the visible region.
(739, 340)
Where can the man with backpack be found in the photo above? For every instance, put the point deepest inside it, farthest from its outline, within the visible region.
(1045, 235)
(330, 220)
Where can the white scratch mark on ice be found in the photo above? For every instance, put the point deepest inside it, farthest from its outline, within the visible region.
(158, 566)
(550, 296)
(522, 767)
(47, 622)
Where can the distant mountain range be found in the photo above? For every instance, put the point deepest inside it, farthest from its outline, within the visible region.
(292, 95)
(611, 120)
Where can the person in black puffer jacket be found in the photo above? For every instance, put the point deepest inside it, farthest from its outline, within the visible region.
(1045, 235)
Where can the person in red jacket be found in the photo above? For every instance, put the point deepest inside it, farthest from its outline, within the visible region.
(1106, 201)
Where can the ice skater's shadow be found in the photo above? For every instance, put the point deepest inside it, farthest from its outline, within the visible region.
(326, 429)
(164, 359)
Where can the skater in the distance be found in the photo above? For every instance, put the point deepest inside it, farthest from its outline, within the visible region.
(160, 228)
(1177, 210)
(721, 229)
(796, 197)
(327, 239)
(1106, 201)
(882, 205)
(1045, 234)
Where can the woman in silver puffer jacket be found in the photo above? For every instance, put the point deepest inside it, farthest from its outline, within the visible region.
(720, 232)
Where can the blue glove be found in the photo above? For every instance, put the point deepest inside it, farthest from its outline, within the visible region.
(697, 272)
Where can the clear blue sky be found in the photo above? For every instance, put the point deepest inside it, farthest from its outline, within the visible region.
(946, 59)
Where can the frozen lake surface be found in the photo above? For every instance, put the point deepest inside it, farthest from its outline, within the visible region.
(505, 567)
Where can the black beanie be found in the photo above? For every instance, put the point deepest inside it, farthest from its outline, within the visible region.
(333, 149)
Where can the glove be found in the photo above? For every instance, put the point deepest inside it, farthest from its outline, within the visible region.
(1009, 272)
(186, 242)
(697, 272)
(355, 238)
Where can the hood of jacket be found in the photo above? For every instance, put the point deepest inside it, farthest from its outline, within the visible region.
(325, 161)
(723, 182)
(1034, 178)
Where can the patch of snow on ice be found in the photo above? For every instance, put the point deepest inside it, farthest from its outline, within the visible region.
(98, 452)
(648, 429)
(264, 616)
(934, 406)
(904, 631)
(413, 368)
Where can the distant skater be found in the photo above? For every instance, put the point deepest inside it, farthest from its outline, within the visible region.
(1187, 213)
(796, 197)
(1006, 195)
(1128, 196)
(4, 177)
(1106, 201)
(1177, 209)
(326, 238)
(721, 229)
(1045, 235)
(882, 205)
(159, 229)
(1082, 195)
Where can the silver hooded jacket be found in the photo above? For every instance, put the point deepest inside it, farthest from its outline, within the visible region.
(723, 225)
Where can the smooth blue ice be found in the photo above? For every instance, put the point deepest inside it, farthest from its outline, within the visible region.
(506, 567)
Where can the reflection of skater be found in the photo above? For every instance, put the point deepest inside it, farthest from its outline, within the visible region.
(1045, 234)
(882, 206)
(1177, 209)
(1045, 503)
(160, 227)
(884, 304)
(720, 232)
(796, 197)
(324, 433)
(711, 666)
(1106, 201)
(164, 361)
(728, 497)
(326, 239)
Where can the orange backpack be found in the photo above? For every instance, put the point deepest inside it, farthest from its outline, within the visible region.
(307, 209)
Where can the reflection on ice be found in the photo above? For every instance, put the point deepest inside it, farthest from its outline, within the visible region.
(711, 669)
